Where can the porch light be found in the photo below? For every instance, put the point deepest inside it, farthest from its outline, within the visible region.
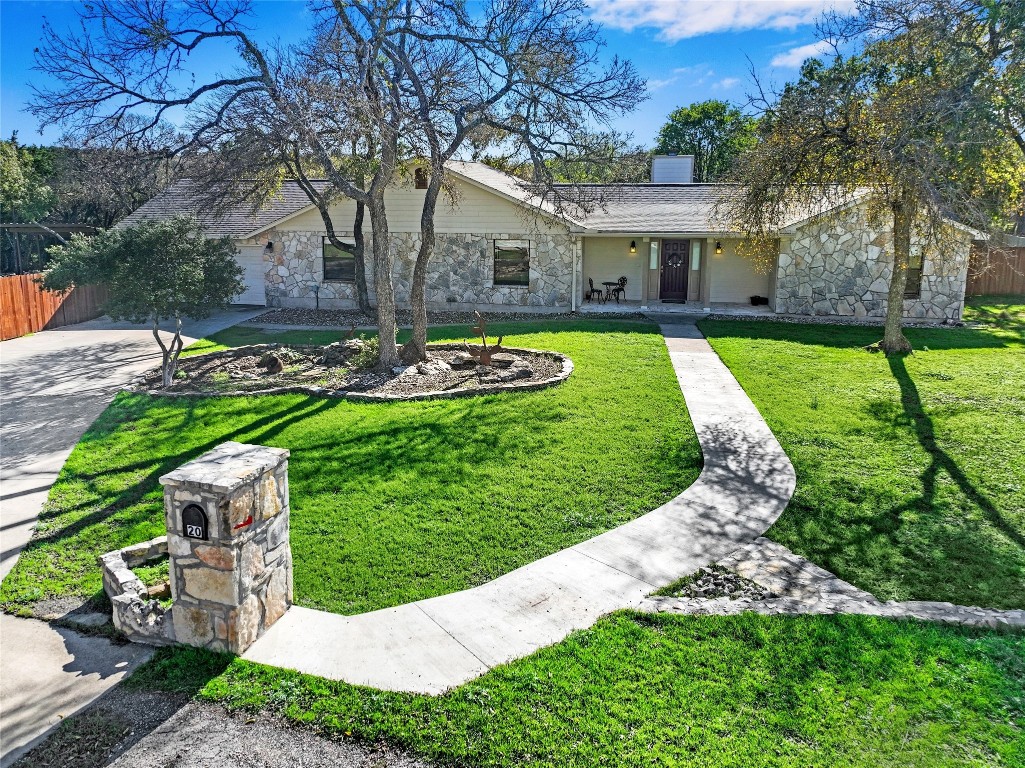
(718, 248)
(633, 246)
(270, 246)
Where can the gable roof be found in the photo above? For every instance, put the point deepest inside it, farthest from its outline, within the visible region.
(239, 222)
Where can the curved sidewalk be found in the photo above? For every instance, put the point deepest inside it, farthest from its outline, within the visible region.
(432, 645)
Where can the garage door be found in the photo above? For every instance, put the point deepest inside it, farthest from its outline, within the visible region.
(253, 268)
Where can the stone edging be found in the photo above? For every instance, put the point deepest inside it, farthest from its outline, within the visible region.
(803, 588)
(135, 615)
(364, 397)
(946, 613)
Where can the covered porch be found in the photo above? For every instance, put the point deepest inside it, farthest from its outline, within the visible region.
(626, 307)
(688, 273)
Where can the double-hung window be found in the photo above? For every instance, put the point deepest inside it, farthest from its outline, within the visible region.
(512, 262)
(339, 263)
(913, 289)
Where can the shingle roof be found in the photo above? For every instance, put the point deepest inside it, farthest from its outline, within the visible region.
(627, 208)
(649, 207)
(184, 197)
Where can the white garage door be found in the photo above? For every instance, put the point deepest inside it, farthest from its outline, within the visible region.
(253, 268)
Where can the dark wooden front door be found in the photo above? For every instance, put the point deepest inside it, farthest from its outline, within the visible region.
(675, 268)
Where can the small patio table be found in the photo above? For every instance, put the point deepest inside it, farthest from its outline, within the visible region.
(609, 285)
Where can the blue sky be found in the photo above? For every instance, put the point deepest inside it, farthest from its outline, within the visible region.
(688, 50)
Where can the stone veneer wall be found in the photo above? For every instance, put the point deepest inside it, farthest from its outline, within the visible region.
(461, 272)
(842, 266)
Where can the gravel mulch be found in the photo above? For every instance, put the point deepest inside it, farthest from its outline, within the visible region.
(345, 318)
(340, 368)
(716, 581)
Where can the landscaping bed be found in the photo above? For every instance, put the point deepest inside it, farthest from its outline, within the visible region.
(346, 369)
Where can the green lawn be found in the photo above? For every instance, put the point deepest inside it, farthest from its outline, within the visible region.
(911, 471)
(1004, 312)
(394, 502)
(637, 690)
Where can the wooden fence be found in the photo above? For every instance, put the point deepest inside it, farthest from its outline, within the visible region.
(26, 308)
(996, 272)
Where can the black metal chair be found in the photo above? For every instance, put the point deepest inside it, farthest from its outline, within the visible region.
(593, 292)
(619, 289)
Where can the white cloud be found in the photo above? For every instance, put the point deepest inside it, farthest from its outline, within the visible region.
(795, 56)
(699, 74)
(725, 84)
(679, 19)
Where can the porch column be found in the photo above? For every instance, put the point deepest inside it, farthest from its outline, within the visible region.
(645, 254)
(706, 274)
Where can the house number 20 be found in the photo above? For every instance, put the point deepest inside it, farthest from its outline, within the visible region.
(194, 522)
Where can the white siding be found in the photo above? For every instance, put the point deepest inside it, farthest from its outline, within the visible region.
(606, 258)
(733, 277)
(474, 211)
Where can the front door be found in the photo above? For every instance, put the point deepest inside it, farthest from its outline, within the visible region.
(672, 284)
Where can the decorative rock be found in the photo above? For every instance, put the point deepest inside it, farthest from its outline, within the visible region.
(432, 367)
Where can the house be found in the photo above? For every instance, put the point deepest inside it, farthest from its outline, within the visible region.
(498, 248)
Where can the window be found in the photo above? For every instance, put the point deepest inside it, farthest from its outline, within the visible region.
(512, 262)
(913, 289)
(420, 179)
(339, 263)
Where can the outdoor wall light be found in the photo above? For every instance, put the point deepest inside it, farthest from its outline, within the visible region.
(718, 248)
(270, 246)
(633, 246)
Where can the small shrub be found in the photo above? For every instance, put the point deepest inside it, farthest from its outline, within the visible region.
(369, 353)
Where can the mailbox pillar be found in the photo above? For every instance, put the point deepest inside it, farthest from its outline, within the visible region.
(227, 541)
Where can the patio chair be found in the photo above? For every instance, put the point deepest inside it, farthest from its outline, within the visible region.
(593, 292)
(619, 289)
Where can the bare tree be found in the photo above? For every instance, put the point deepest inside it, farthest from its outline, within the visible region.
(379, 84)
(518, 73)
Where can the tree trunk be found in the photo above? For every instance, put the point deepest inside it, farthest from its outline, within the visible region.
(362, 294)
(169, 354)
(894, 342)
(415, 350)
(386, 327)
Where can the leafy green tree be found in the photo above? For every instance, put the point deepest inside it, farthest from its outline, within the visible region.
(157, 270)
(24, 192)
(715, 132)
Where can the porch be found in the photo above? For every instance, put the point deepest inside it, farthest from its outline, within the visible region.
(682, 274)
(631, 306)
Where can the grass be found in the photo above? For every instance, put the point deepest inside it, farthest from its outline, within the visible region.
(911, 470)
(393, 502)
(1003, 312)
(641, 690)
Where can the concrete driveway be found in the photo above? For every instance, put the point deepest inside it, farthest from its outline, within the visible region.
(53, 385)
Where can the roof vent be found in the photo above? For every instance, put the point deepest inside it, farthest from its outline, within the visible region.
(672, 169)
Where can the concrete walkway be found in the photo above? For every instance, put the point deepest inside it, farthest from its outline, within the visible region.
(432, 645)
(53, 385)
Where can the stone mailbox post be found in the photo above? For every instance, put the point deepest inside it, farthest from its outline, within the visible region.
(227, 541)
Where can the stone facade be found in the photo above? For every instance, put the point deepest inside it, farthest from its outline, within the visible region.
(841, 265)
(230, 586)
(461, 273)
